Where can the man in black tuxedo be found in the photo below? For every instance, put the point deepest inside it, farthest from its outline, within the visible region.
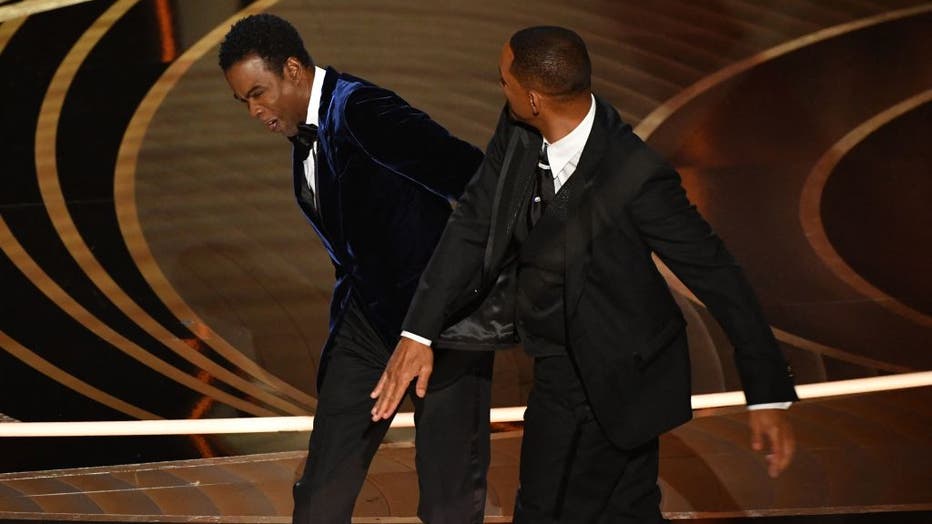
(573, 203)
(375, 178)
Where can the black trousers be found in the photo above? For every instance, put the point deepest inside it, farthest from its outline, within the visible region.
(570, 472)
(452, 438)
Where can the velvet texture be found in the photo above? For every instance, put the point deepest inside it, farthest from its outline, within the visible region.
(386, 174)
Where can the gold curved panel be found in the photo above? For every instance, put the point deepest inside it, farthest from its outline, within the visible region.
(23, 9)
(7, 30)
(658, 116)
(810, 209)
(68, 380)
(14, 250)
(128, 217)
(47, 174)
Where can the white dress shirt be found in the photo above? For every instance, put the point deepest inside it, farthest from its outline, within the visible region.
(563, 156)
(313, 116)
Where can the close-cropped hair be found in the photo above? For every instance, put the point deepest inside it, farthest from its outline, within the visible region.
(553, 60)
(267, 36)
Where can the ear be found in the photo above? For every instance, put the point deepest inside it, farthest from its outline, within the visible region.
(292, 69)
(534, 100)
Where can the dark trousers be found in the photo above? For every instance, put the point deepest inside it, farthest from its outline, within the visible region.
(570, 472)
(452, 439)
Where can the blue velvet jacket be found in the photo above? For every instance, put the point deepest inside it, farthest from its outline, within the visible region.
(386, 174)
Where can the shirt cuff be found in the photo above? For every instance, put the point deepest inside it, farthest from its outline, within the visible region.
(771, 405)
(416, 338)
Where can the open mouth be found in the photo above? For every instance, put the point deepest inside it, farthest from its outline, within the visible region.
(272, 124)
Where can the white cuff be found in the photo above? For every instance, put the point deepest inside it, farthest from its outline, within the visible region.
(771, 405)
(416, 338)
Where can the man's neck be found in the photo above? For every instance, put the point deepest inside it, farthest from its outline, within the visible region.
(564, 117)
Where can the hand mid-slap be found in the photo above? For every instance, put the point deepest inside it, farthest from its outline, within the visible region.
(410, 359)
(773, 425)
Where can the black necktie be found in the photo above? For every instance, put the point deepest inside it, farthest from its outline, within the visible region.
(304, 140)
(543, 188)
(303, 143)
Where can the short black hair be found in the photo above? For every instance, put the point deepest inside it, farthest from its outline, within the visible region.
(270, 37)
(551, 59)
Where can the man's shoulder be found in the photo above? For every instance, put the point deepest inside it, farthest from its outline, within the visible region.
(353, 89)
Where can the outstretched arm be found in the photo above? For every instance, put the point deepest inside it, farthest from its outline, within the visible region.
(673, 229)
(454, 269)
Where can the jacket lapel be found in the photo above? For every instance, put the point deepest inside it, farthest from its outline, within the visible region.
(515, 184)
(579, 216)
(327, 189)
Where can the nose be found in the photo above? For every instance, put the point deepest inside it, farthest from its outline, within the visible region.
(255, 110)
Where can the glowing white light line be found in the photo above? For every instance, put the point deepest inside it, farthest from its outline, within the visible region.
(406, 420)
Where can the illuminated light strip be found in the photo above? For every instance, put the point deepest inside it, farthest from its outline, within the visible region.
(44, 283)
(124, 192)
(24, 9)
(53, 198)
(68, 380)
(406, 420)
(810, 209)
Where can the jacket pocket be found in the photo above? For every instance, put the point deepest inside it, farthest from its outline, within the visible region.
(659, 340)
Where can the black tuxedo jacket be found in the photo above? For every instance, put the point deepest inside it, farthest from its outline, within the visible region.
(624, 331)
(385, 176)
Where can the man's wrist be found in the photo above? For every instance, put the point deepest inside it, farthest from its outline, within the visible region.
(416, 338)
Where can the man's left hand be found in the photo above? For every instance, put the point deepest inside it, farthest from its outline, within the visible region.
(410, 359)
(773, 426)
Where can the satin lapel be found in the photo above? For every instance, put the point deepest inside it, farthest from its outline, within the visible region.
(579, 216)
(517, 176)
(302, 194)
(328, 189)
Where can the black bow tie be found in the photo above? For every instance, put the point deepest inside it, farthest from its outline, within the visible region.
(304, 140)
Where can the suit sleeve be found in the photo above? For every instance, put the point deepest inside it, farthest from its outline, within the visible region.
(455, 268)
(408, 142)
(673, 229)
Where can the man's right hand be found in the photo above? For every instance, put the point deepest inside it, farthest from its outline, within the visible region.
(411, 359)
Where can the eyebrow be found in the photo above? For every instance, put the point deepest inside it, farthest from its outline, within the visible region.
(248, 94)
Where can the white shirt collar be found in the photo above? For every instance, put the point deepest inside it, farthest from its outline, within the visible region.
(570, 146)
(317, 89)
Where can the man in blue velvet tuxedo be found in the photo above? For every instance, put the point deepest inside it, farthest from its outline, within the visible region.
(573, 204)
(375, 178)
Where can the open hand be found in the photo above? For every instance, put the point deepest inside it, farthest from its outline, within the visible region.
(773, 426)
(411, 359)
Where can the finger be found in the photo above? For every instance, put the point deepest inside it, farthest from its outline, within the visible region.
(789, 449)
(391, 400)
(383, 399)
(757, 442)
(775, 458)
(422, 379)
(378, 387)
